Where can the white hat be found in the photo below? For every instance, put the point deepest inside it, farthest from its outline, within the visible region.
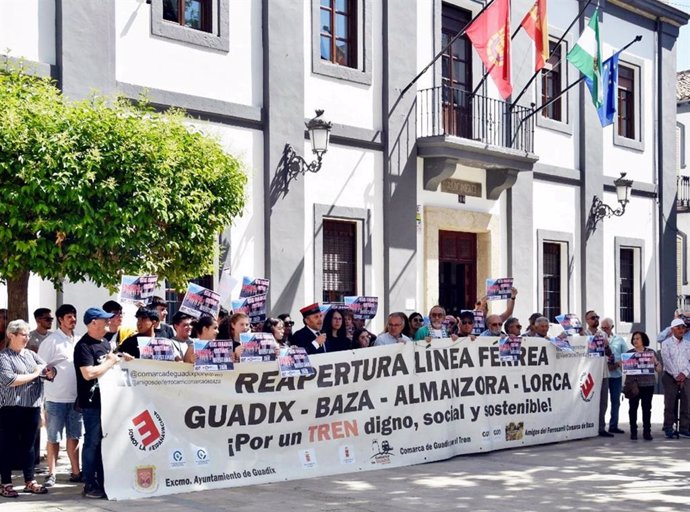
(677, 321)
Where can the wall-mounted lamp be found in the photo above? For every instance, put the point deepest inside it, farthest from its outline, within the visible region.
(319, 134)
(600, 210)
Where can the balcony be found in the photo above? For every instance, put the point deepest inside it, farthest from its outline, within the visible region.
(456, 127)
(683, 197)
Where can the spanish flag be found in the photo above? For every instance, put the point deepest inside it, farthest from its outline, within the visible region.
(536, 26)
(490, 36)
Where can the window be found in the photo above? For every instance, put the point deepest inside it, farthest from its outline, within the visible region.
(630, 301)
(554, 272)
(626, 102)
(626, 290)
(339, 259)
(202, 23)
(456, 73)
(194, 14)
(342, 39)
(551, 84)
(628, 129)
(552, 280)
(339, 32)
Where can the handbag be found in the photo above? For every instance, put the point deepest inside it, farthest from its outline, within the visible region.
(631, 389)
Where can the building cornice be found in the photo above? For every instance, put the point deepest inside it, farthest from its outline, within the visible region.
(653, 9)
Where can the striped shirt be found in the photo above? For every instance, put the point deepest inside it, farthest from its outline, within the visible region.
(13, 364)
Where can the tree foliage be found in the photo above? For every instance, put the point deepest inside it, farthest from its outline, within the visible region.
(100, 187)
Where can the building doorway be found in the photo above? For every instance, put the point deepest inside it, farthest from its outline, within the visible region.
(457, 271)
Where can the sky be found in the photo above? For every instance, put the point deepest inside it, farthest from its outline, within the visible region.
(683, 48)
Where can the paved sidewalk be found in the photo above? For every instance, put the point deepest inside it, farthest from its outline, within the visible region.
(593, 474)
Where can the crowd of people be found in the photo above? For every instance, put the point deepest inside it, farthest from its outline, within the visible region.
(51, 373)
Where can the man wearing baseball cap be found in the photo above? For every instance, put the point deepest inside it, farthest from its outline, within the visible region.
(310, 336)
(92, 358)
(675, 353)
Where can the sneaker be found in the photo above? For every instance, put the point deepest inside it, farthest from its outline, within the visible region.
(616, 431)
(603, 433)
(684, 433)
(93, 492)
(669, 433)
(49, 481)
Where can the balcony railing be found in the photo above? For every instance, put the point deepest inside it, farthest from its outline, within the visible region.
(683, 197)
(447, 110)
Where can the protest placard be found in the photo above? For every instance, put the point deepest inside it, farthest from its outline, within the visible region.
(596, 345)
(200, 301)
(639, 363)
(254, 307)
(501, 288)
(252, 286)
(570, 322)
(213, 355)
(157, 349)
(258, 347)
(509, 348)
(363, 308)
(137, 289)
(294, 362)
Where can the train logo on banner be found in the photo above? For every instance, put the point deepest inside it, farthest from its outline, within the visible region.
(147, 434)
(586, 384)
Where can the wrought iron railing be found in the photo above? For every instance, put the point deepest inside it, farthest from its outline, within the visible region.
(683, 197)
(447, 110)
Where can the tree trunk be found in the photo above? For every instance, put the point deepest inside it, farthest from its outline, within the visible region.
(17, 297)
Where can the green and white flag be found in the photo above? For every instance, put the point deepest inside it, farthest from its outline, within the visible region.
(586, 56)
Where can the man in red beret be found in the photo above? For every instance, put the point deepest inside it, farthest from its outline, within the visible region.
(310, 336)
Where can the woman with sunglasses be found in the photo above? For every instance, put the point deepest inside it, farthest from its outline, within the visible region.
(288, 323)
(416, 320)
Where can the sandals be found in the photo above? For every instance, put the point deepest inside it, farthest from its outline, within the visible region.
(34, 487)
(7, 491)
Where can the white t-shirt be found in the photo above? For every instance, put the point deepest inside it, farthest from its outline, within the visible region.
(58, 350)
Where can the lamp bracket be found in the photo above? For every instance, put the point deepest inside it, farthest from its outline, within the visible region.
(600, 210)
(296, 165)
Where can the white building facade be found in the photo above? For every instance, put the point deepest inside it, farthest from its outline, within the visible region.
(421, 196)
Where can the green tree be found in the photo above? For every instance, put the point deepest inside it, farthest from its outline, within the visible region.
(100, 188)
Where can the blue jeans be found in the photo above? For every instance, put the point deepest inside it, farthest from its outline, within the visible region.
(91, 459)
(615, 387)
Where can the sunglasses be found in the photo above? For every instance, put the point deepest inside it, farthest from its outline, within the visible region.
(416, 320)
(594, 317)
(495, 325)
(467, 322)
(289, 324)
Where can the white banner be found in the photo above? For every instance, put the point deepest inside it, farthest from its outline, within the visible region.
(168, 429)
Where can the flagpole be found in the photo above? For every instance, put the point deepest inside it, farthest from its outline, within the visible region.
(524, 89)
(439, 54)
(552, 100)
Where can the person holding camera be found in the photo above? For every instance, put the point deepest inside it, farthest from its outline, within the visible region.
(21, 394)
